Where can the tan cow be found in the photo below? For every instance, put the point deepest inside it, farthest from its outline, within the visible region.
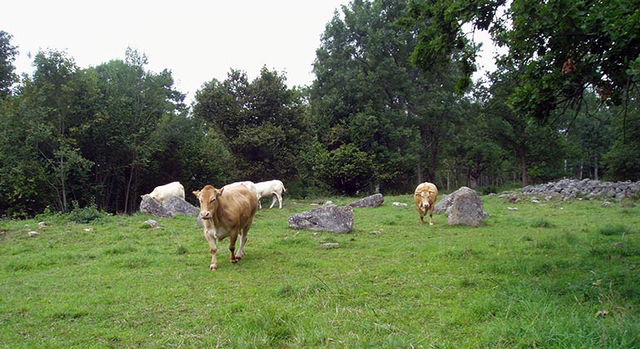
(426, 195)
(226, 212)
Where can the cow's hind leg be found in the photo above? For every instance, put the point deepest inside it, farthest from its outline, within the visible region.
(279, 199)
(273, 202)
(232, 247)
(243, 241)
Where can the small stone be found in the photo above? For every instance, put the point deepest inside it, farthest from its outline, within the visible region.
(399, 204)
(33, 233)
(512, 208)
(151, 223)
(88, 229)
(535, 201)
(602, 313)
(330, 245)
(42, 224)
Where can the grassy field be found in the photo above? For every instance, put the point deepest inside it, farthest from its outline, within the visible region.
(548, 275)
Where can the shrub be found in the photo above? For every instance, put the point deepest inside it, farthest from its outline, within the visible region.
(85, 214)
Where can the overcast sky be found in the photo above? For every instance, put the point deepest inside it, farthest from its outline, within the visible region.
(196, 40)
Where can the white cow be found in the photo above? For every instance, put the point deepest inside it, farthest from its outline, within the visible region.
(273, 188)
(247, 184)
(166, 191)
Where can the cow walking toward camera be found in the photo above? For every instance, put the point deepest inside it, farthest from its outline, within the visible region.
(226, 212)
(426, 195)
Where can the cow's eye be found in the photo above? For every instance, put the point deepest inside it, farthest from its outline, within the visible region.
(212, 200)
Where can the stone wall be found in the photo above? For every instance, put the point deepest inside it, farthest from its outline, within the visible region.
(587, 188)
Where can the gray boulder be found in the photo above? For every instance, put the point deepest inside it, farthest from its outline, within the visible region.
(175, 206)
(374, 200)
(328, 218)
(171, 207)
(466, 208)
(445, 204)
(153, 207)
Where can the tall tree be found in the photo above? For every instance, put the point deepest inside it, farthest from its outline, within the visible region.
(8, 54)
(262, 121)
(368, 94)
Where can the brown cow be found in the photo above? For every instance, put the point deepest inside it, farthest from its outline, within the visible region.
(426, 195)
(226, 212)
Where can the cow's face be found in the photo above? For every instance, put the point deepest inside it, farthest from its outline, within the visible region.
(208, 198)
(424, 200)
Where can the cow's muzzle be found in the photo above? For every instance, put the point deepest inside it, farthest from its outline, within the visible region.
(205, 215)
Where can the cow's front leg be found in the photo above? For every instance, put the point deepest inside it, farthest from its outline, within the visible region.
(211, 239)
(232, 246)
(431, 216)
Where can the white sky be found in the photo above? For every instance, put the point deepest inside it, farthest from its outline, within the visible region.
(196, 40)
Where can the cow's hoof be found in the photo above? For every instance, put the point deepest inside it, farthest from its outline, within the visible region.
(430, 223)
(213, 267)
(234, 260)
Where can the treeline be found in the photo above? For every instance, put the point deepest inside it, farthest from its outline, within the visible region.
(375, 119)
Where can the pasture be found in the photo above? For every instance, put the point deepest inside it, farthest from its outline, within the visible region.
(549, 275)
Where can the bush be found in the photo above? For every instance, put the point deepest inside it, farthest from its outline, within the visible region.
(85, 214)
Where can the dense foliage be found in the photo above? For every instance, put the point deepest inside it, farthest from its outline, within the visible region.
(393, 104)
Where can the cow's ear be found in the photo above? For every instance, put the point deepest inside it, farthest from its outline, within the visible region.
(196, 193)
(220, 191)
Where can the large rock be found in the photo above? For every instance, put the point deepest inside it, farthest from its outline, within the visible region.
(329, 218)
(466, 208)
(170, 207)
(446, 202)
(374, 200)
(175, 206)
(153, 207)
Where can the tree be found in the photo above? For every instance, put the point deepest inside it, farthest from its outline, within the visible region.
(561, 48)
(121, 137)
(8, 54)
(262, 122)
(369, 95)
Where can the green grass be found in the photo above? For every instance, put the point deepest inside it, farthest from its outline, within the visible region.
(535, 277)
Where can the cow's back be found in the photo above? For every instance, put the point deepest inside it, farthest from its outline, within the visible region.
(428, 188)
(237, 206)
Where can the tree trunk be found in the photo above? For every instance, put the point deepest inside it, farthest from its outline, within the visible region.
(580, 171)
(525, 179)
(595, 168)
(126, 195)
(63, 186)
(419, 169)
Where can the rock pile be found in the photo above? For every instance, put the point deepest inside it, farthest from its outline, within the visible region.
(587, 188)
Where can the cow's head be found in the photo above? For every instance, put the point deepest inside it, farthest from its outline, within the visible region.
(424, 200)
(208, 197)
